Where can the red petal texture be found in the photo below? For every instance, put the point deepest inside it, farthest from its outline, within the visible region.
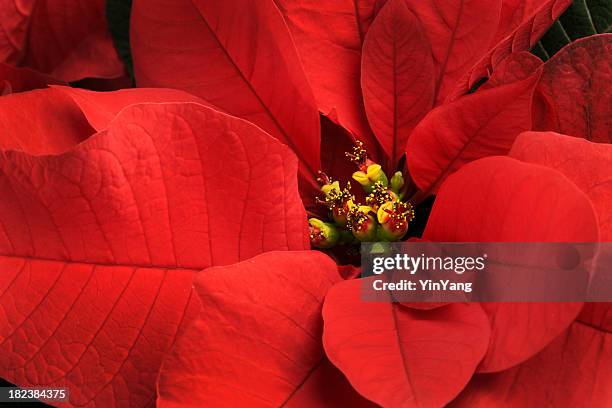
(14, 21)
(499, 199)
(100, 108)
(327, 387)
(24, 79)
(44, 121)
(207, 48)
(203, 205)
(573, 371)
(523, 38)
(332, 57)
(513, 13)
(397, 77)
(401, 357)
(257, 342)
(100, 330)
(53, 120)
(514, 68)
(575, 90)
(366, 11)
(586, 164)
(123, 213)
(67, 39)
(475, 126)
(459, 32)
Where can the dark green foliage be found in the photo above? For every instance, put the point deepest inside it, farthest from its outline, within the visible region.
(581, 19)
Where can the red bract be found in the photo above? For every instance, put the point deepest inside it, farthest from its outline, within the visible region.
(536, 18)
(263, 84)
(111, 230)
(478, 125)
(569, 96)
(402, 357)
(257, 343)
(573, 371)
(398, 87)
(115, 205)
(332, 58)
(67, 39)
(585, 163)
(532, 204)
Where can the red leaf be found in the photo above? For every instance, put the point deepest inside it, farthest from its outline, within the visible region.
(24, 79)
(124, 213)
(327, 387)
(243, 62)
(67, 39)
(102, 331)
(513, 14)
(478, 125)
(516, 67)
(459, 32)
(332, 57)
(401, 357)
(573, 371)
(366, 11)
(499, 199)
(53, 120)
(258, 339)
(100, 108)
(397, 79)
(575, 90)
(43, 121)
(585, 163)
(523, 38)
(14, 19)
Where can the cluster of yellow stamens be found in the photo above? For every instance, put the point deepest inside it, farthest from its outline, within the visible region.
(380, 194)
(334, 197)
(359, 155)
(385, 216)
(396, 214)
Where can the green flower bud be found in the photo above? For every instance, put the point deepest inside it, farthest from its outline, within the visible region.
(332, 187)
(322, 234)
(397, 182)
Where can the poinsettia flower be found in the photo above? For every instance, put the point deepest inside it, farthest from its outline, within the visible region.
(402, 80)
(66, 39)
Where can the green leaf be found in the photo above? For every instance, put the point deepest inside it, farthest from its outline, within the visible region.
(118, 17)
(581, 19)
